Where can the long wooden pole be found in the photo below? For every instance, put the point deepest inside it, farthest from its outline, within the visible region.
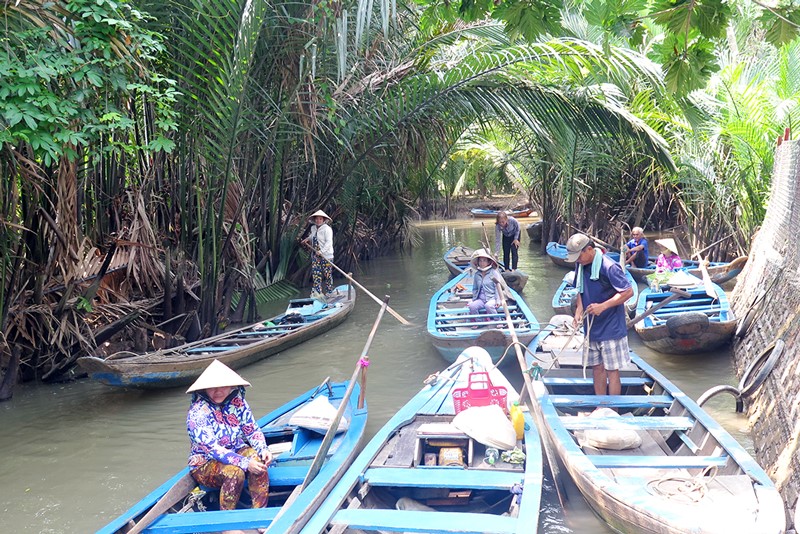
(362, 288)
(531, 400)
(322, 453)
(178, 491)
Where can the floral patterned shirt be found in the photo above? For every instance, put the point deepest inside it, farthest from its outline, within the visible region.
(668, 263)
(217, 431)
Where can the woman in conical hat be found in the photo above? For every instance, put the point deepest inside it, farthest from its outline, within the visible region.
(668, 260)
(226, 442)
(484, 283)
(320, 237)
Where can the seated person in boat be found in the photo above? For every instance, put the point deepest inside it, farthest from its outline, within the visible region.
(602, 290)
(484, 283)
(668, 260)
(637, 253)
(226, 442)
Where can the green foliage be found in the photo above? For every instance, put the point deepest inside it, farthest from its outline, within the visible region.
(688, 65)
(707, 17)
(784, 29)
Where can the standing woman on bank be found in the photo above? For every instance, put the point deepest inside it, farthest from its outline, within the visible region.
(320, 237)
(507, 228)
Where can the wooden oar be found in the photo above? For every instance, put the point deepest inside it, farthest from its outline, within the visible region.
(677, 293)
(362, 288)
(178, 491)
(532, 400)
(322, 453)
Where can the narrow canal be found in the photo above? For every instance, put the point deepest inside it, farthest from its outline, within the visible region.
(76, 455)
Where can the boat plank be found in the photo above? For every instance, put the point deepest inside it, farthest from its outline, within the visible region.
(589, 381)
(416, 521)
(216, 521)
(442, 477)
(612, 401)
(617, 461)
(627, 423)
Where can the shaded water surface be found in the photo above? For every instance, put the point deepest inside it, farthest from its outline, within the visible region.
(76, 455)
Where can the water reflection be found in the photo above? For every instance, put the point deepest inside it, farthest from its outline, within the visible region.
(76, 455)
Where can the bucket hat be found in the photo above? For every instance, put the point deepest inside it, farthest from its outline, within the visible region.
(668, 243)
(575, 244)
(482, 253)
(217, 375)
(319, 213)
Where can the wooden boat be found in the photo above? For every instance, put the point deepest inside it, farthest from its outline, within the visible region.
(390, 487)
(294, 449)
(718, 270)
(566, 292)
(534, 231)
(558, 255)
(303, 319)
(452, 328)
(480, 213)
(687, 475)
(695, 324)
(458, 258)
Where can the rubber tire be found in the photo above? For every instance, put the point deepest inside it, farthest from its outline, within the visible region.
(687, 325)
(716, 390)
(764, 363)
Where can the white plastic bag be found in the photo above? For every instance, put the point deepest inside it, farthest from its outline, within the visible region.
(615, 439)
(318, 416)
(488, 425)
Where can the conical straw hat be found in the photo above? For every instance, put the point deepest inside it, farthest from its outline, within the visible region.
(318, 213)
(668, 243)
(481, 253)
(217, 375)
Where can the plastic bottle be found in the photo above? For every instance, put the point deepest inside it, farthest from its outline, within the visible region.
(518, 420)
(491, 456)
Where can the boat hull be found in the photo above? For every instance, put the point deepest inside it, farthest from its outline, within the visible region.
(182, 365)
(479, 213)
(458, 258)
(558, 255)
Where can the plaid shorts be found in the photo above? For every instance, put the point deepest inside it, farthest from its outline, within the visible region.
(614, 354)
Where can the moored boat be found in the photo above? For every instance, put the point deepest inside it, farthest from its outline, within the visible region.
(534, 231)
(558, 255)
(717, 270)
(452, 328)
(193, 509)
(424, 472)
(676, 470)
(566, 293)
(303, 319)
(698, 323)
(480, 213)
(457, 260)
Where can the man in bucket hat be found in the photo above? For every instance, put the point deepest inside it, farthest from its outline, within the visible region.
(320, 237)
(226, 442)
(602, 292)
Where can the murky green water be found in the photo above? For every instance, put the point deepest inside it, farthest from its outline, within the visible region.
(74, 456)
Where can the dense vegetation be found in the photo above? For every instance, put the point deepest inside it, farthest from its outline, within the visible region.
(159, 158)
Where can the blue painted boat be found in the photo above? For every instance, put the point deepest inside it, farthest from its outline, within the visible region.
(480, 213)
(452, 329)
(687, 474)
(696, 324)
(294, 449)
(391, 488)
(558, 255)
(566, 292)
(458, 259)
(303, 319)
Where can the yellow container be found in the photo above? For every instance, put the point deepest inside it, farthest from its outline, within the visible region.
(518, 420)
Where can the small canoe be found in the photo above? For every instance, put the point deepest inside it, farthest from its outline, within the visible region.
(303, 319)
(480, 213)
(398, 482)
(558, 255)
(535, 231)
(566, 293)
(293, 447)
(682, 473)
(696, 324)
(452, 328)
(457, 259)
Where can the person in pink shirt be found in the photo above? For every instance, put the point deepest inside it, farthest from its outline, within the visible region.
(668, 260)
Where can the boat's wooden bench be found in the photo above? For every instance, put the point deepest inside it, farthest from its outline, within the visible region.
(442, 477)
(618, 461)
(699, 309)
(612, 401)
(456, 317)
(215, 521)
(627, 423)
(682, 302)
(589, 381)
(449, 311)
(416, 521)
(496, 323)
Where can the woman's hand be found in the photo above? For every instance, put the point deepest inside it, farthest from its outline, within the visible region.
(267, 458)
(515, 243)
(256, 467)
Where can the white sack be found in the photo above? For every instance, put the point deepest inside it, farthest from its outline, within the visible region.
(318, 416)
(487, 425)
(616, 439)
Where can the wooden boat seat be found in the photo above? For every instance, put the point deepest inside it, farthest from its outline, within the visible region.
(416, 521)
(519, 323)
(698, 309)
(613, 401)
(442, 477)
(215, 521)
(657, 462)
(589, 381)
(448, 311)
(627, 423)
